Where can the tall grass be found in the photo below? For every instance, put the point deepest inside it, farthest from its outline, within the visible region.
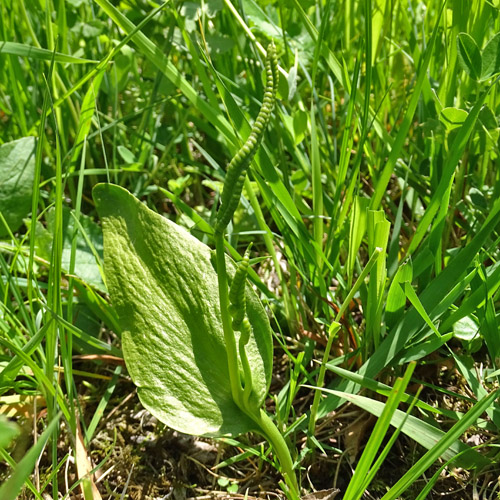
(380, 161)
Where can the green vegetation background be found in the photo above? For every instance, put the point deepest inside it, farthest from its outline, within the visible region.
(385, 135)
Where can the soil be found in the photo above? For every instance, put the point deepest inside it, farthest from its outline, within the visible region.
(140, 458)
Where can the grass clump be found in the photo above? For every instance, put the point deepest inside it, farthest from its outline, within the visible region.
(369, 199)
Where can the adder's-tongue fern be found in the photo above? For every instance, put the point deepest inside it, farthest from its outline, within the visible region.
(232, 302)
(236, 170)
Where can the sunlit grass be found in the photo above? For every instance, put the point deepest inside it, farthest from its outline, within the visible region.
(385, 136)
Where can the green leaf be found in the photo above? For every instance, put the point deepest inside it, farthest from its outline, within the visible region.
(164, 288)
(367, 465)
(487, 132)
(192, 11)
(423, 349)
(469, 55)
(491, 57)
(17, 171)
(477, 198)
(356, 232)
(490, 332)
(300, 125)
(23, 50)
(86, 115)
(260, 19)
(127, 155)
(378, 228)
(385, 390)
(232, 488)
(415, 301)
(76, 3)
(292, 84)
(8, 431)
(488, 120)
(465, 329)
(89, 246)
(378, 13)
(453, 117)
(219, 44)
(396, 298)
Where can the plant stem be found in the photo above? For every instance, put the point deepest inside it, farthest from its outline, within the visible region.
(334, 328)
(232, 353)
(265, 425)
(273, 435)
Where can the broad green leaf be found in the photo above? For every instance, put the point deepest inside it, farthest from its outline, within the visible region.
(23, 50)
(491, 57)
(292, 84)
(469, 55)
(89, 246)
(453, 117)
(487, 119)
(17, 171)
(219, 44)
(164, 288)
(300, 124)
(196, 10)
(477, 198)
(260, 19)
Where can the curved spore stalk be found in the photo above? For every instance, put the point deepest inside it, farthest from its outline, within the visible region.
(236, 170)
(246, 330)
(233, 310)
(237, 291)
(240, 321)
